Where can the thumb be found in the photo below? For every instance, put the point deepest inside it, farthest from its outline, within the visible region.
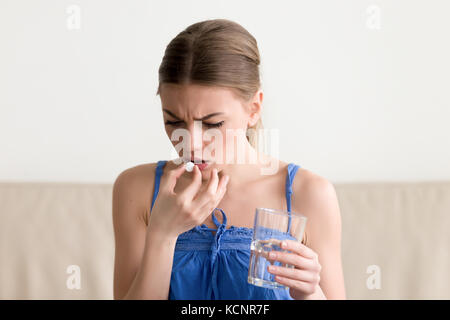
(172, 177)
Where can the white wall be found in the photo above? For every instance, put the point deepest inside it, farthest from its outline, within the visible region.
(361, 103)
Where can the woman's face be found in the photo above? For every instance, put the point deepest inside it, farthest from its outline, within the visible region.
(205, 114)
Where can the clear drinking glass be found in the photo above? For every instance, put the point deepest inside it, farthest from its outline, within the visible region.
(270, 228)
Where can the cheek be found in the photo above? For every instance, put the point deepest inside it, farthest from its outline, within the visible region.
(169, 133)
(175, 139)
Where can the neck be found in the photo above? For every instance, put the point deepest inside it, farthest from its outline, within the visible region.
(242, 173)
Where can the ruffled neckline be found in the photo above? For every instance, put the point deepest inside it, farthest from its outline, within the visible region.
(204, 232)
(232, 231)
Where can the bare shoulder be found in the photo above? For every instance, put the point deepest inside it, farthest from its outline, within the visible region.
(312, 191)
(135, 185)
(306, 181)
(313, 185)
(315, 197)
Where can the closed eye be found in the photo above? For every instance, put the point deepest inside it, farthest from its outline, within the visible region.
(209, 125)
(214, 125)
(173, 123)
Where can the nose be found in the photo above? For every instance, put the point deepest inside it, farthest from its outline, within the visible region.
(196, 133)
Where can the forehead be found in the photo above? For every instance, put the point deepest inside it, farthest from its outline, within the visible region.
(201, 98)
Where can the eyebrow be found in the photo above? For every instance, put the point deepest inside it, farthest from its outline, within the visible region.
(203, 118)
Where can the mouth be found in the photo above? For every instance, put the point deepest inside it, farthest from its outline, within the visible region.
(202, 166)
(200, 163)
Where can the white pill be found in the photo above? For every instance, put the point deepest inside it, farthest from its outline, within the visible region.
(189, 166)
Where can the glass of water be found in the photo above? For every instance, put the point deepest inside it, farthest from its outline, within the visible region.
(270, 228)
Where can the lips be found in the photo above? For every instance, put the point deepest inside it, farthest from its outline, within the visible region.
(201, 166)
(200, 163)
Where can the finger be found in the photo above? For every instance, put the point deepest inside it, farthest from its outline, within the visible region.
(273, 242)
(209, 193)
(222, 187)
(192, 189)
(301, 286)
(221, 190)
(295, 274)
(298, 247)
(293, 259)
(169, 181)
(212, 186)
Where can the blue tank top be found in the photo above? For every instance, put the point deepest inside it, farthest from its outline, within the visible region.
(210, 266)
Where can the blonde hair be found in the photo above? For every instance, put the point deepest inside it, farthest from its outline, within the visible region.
(216, 52)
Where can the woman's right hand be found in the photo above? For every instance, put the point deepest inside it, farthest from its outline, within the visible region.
(174, 213)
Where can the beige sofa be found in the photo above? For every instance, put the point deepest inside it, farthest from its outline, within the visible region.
(396, 240)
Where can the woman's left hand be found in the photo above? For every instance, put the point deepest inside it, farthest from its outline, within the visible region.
(302, 280)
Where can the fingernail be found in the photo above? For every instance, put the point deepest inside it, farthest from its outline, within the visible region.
(283, 244)
(272, 255)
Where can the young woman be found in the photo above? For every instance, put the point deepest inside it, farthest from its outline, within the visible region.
(169, 241)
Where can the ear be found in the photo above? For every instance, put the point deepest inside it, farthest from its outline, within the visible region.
(255, 108)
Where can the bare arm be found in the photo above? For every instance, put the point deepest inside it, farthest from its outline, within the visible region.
(152, 280)
(316, 198)
(325, 238)
(144, 254)
(143, 257)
